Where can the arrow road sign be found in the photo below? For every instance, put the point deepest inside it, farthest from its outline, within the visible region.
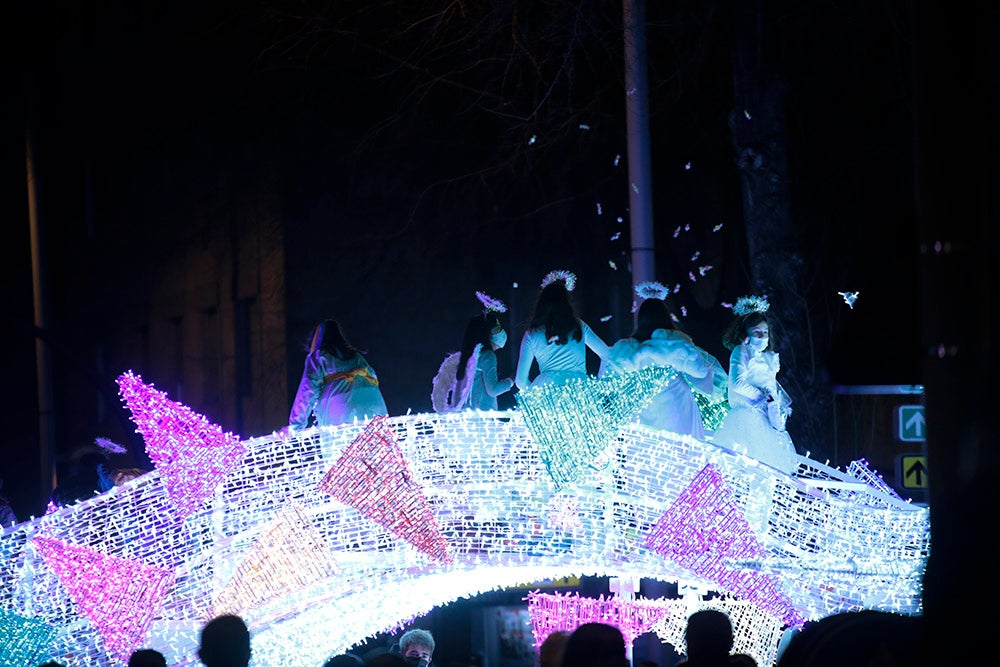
(912, 470)
(912, 427)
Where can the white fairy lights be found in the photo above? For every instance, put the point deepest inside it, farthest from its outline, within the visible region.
(832, 542)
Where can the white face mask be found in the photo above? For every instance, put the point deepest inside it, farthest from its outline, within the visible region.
(757, 344)
(499, 339)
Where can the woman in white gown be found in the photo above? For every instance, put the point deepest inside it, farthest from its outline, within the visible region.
(556, 338)
(337, 383)
(759, 406)
(657, 343)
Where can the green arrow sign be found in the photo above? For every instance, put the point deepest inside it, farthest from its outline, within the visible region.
(912, 427)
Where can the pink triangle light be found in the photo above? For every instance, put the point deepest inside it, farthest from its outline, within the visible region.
(372, 476)
(120, 596)
(191, 454)
(705, 530)
(552, 611)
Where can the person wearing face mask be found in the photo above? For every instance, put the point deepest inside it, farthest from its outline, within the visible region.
(469, 379)
(417, 647)
(759, 406)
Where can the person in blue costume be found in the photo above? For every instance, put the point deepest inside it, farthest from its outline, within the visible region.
(337, 385)
(656, 342)
(556, 338)
(759, 406)
(468, 379)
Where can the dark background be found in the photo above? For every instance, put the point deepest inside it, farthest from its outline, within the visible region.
(413, 156)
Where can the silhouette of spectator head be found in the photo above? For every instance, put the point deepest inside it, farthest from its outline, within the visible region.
(147, 657)
(709, 636)
(864, 637)
(417, 647)
(345, 660)
(595, 645)
(225, 642)
(550, 651)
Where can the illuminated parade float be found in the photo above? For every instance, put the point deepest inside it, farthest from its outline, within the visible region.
(323, 537)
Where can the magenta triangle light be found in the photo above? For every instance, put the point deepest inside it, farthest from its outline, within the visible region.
(192, 454)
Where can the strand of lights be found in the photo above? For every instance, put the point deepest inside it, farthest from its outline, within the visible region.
(372, 476)
(573, 423)
(192, 454)
(289, 557)
(23, 640)
(705, 529)
(860, 470)
(118, 595)
(552, 611)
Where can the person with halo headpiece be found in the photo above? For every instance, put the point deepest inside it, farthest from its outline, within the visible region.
(759, 406)
(656, 342)
(556, 337)
(468, 379)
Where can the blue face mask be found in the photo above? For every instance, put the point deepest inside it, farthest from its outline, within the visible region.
(758, 344)
(499, 339)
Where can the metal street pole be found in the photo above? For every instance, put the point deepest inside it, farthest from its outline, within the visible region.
(637, 130)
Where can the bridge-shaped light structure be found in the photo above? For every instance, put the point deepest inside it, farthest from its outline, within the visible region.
(836, 542)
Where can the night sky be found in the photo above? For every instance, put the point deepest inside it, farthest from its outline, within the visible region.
(416, 160)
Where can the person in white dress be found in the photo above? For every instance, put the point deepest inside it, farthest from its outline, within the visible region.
(759, 406)
(656, 342)
(338, 385)
(557, 339)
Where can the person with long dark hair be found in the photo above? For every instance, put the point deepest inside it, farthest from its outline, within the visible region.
(759, 406)
(556, 337)
(338, 385)
(468, 379)
(657, 342)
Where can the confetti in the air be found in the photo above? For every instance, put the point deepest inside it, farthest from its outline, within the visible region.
(850, 298)
(599, 211)
(726, 304)
(684, 311)
(677, 232)
(531, 140)
(619, 218)
(618, 158)
(677, 288)
(675, 318)
(612, 265)
(635, 306)
(687, 228)
(616, 236)
(605, 318)
(691, 276)
(631, 92)
(696, 255)
(514, 285)
(687, 167)
(635, 188)
(584, 126)
(717, 227)
(747, 114)
(702, 270)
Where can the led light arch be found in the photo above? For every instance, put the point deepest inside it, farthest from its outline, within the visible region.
(438, 507)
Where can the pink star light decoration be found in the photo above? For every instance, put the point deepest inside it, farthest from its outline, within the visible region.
(372, 476)
(191, 454)
(705, 530)
(120, 596)
(552, 611)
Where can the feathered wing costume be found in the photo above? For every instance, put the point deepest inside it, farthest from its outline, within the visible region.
(448, 393)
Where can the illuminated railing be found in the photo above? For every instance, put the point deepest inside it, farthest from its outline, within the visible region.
(322, 538)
